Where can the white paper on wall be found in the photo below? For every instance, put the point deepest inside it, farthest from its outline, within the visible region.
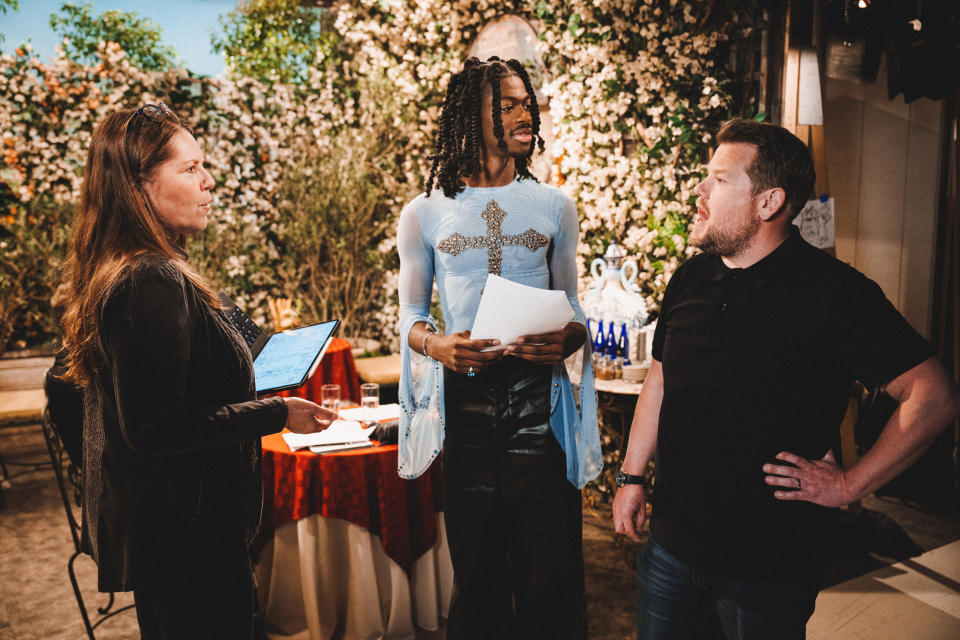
(816, 223)
(809, 102)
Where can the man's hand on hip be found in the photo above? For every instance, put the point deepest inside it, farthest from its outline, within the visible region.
(821, 481)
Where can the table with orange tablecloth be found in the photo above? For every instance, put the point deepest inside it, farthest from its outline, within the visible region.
(347, 548)
(359, 486)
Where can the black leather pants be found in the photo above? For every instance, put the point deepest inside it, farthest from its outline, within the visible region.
(513, 520)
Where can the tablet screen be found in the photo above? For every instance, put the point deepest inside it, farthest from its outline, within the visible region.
(290, 357)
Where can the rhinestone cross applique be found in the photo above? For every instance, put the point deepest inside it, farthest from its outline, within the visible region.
(494, 240)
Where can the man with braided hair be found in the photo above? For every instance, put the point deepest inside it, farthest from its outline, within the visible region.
(516, 447)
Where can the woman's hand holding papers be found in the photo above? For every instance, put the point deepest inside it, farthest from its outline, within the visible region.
(461, 354)
(456, 351)
(549, 348)
(304, 416)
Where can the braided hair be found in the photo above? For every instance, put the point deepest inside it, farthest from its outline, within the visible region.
(459, 136)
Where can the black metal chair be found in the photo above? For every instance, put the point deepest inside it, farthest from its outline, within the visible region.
(69, 480)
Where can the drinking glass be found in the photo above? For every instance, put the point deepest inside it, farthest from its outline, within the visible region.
(370, 395)
(330, 397)
(370, 400)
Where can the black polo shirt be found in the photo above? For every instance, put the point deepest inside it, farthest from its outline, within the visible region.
(757, 361)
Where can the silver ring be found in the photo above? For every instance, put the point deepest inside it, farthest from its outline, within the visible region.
(799, 487)
(471, 372)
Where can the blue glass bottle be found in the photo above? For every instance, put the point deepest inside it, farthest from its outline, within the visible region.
(599, 340)
(623, 344)
(611, 346)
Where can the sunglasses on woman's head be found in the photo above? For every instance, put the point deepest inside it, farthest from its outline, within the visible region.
(154, 112)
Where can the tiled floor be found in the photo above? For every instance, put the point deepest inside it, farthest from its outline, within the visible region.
(917, 599)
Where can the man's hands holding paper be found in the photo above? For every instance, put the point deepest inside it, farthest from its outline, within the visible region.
(304, 416)
(549, 348)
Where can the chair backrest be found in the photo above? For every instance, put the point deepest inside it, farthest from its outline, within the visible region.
(69, 479)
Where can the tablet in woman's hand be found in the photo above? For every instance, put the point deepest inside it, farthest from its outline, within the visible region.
(290, 357)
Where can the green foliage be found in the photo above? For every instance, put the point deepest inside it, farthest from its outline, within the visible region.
(275, 40)
(32, 245)
(7, 5)
(139, 37)
(312, 173)
(637, 91)
(51, 111)
(338, 223)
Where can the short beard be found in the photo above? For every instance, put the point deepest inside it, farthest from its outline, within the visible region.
(729, 243)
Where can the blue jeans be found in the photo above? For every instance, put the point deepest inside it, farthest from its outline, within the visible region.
(677, 602)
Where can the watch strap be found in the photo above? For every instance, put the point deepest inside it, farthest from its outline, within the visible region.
(626, 478)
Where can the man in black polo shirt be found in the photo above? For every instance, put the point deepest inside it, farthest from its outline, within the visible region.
(759, 340)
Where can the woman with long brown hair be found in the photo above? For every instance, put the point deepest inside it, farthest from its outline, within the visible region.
(171, 436)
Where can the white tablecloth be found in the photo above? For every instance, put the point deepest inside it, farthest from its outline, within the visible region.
(324, 578)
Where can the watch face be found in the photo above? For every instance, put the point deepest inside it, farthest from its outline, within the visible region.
(620, 478)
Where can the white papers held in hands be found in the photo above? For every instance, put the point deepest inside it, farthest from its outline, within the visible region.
(339, 436)
(384, 414)
(509, 310)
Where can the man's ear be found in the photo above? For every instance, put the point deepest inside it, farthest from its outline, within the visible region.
(772, 202)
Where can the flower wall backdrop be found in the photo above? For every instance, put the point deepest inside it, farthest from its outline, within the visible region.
(636, 89)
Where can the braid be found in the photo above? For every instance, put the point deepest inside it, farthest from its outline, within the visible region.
(522, 163)
(448, 139)
(534, 106)
(494, 80)
(473, 125)
(446, 120)
(459, 135)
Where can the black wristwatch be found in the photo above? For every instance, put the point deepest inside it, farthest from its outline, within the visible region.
(625, 478)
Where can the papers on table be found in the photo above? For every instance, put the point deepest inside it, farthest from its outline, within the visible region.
(334, 448)
(341, 433)
(346, 433)
(509, 310)
(383, 413)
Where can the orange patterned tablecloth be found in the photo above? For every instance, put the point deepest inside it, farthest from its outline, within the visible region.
(360, 486)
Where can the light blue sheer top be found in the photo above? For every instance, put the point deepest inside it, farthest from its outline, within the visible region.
(455, 241)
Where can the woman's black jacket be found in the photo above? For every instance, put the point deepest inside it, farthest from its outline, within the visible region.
(171, 439)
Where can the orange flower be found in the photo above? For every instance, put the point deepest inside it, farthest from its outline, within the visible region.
(93, 103)
(10, 220)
